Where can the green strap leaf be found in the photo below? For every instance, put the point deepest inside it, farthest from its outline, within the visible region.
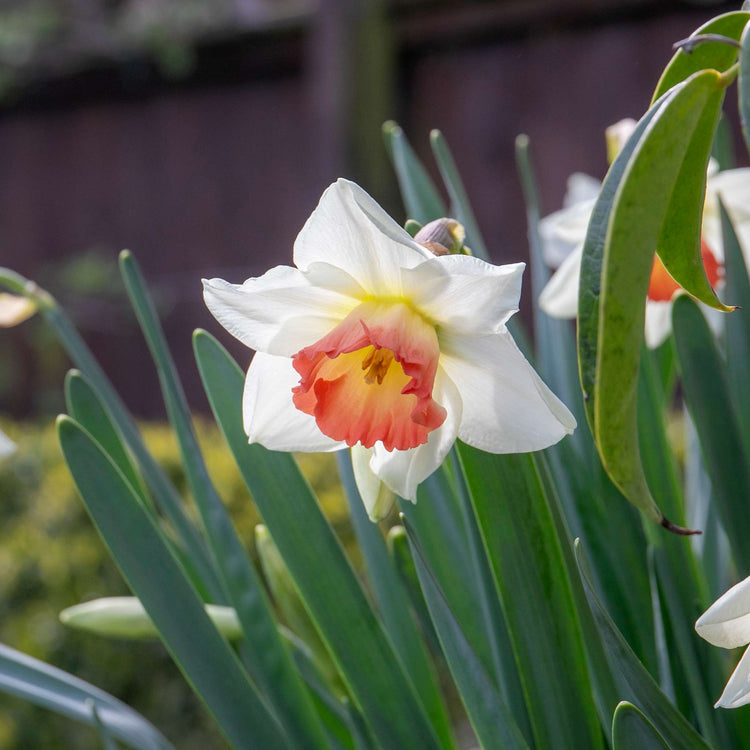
(153, 574)
(530, 573)
(459, 199)
(393, 605)
(489, 715)
(318, 565)
(49, 687)
(642, 203)
(634, 681)
(703, 55)
(737, 325)
(263, 651)
(630, 729)
(420, 196)
(707, 396)
(166, 496)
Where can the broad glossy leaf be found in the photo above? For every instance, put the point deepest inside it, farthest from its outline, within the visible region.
(642, 204)
(589, 298)
(530, 573)
(318, 565)
(421, 199)
(153, 574)
(710, 54)
(262, 650)
(46, 686)
(707, 397)
(631, 729)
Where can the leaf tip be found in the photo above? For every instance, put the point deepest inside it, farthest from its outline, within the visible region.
(679, 530)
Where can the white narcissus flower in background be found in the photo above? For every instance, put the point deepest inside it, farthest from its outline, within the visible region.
(563, 234)
(726, 623)
(374, 343)
(7, 446)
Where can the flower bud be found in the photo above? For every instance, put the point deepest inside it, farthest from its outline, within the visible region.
(617, 135)
(125, 617)
(442, 236)
(14, 309)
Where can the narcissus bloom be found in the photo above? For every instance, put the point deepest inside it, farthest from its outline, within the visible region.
(726, 623)
(375, 343)
(564, 232)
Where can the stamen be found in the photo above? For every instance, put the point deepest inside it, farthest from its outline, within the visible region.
(377, 363)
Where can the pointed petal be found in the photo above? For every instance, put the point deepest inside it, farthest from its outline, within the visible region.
(580, 188)
(506, 406)
(349, 230)
(7, 446)
(403, 471)
(464, 294)
(559, 298)
(737, 691)
(378, 499)
(658, 323)
(279, 312)
(726, 622)
(270, 416)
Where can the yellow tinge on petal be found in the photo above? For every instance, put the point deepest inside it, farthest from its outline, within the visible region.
(15, 309)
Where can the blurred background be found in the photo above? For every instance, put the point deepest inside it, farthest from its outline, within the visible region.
(200, 135)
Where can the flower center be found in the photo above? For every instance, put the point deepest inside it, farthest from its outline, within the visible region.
(663, 287)
(392, 402)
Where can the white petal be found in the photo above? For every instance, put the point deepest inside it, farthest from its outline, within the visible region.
(737, 691)
(464, 294)
(350, 231)
(559, 298)
(506, 406)
(658, 324)
(377, 497)
(279, 313)
(14, 309)
(270, 416)
(581, 187)
(7, 446)
(403, 471)
(726, 622)
(563, 231)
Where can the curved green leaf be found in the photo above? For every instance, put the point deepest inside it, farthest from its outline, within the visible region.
(631, 729)
(421, 199)
(642, 204)
(709, 54)
(708, 400)
(46, 686)
(489, 715)
(460, 205)
(634, 681)
(262, 650)
(205, 658)
(525, 553)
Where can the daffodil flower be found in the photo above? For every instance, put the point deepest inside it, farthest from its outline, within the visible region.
(564, 232)
(726, 623)
(375, 343)
(7, 446)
